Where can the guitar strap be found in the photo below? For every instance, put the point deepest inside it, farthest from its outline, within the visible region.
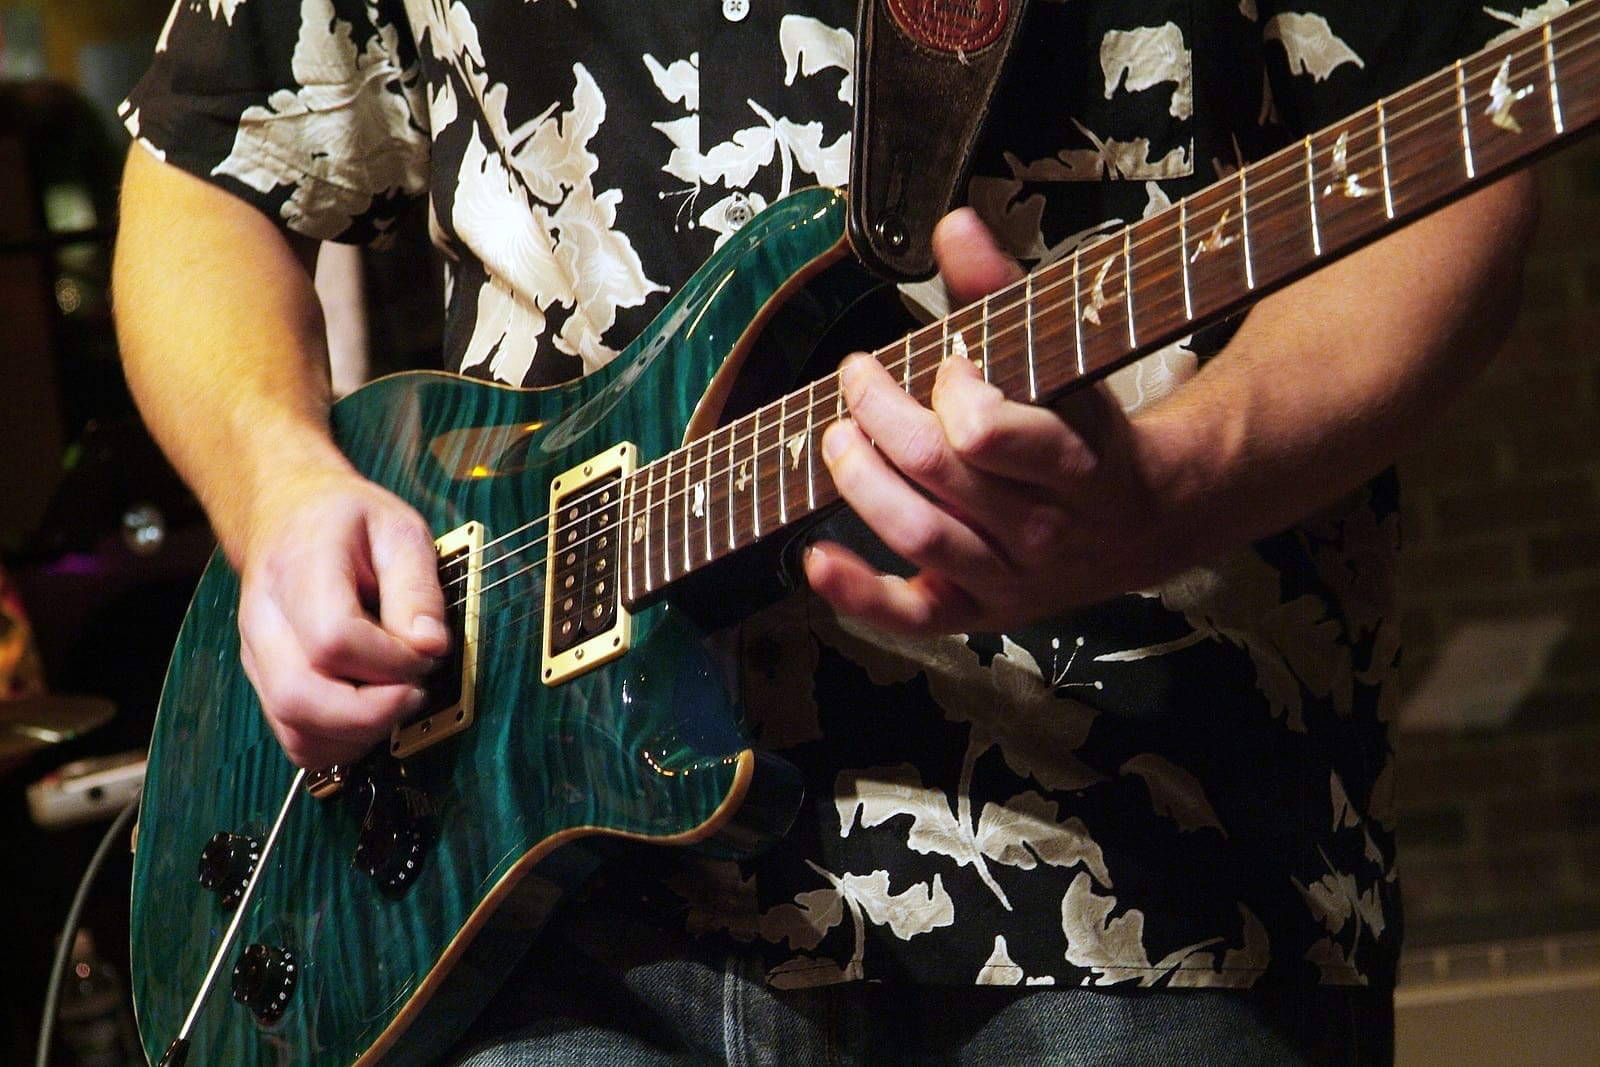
(925, 72)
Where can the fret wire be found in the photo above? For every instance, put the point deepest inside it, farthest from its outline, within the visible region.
(627, 539)
(1077, 308)
(1466, 127)
(683, 506)
(1386, 163)
(1183, 256)
(1550, 74)
(711, 498)
(811, 446)
(1244, 229)
(986, 349)
(733, 501)
(649, 521)
(1027, 311)
(755, 472)
(1311, 196)
(1383, 156)
(1127, 282)
(783, 468)
(905, 370)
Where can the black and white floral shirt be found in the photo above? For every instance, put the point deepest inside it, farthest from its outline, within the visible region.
(1188, 785)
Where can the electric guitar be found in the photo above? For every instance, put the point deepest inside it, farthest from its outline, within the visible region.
(363, 913)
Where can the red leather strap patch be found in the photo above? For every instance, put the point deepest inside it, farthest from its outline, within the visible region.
(952, 25)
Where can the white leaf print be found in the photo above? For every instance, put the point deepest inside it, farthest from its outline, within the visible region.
(684, 163)
(1009, 704)
(1114, 948)
(1029, 829)
(1017, 224)
(805, 972)
(877, 795)
(1530, 16)
(1001, 969)
(1236, 600)
(1155, 377)
(550, 153)
(1345, 814)
(921, 909)
(225, 8)
(718, 898)
(1335, 900)
(1237, 969)
(829, 164)
(1175, 793)
(343, 132)
(1311, 44)
(536, 258)
(1334, 965)
(1109, 158)
(735, 162)
(811, 47)
(1147, 57)
(803, 924)
(679, 81)
(606, 272)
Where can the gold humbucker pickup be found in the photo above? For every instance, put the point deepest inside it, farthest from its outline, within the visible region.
(452, 686)
(585, 623)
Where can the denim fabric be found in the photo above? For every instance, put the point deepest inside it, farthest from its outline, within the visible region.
(607, 989)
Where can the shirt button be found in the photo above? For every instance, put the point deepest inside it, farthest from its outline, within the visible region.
(735, 10)
(739, 211)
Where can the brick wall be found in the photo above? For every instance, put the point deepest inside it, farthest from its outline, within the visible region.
(1500, 831)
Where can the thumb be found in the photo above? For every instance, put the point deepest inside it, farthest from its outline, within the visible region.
(410, 601)
(969, 260)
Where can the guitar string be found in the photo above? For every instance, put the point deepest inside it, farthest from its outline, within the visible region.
(1400, 148)
(231, 933)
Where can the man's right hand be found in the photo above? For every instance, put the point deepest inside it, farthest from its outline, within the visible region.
(341, 615)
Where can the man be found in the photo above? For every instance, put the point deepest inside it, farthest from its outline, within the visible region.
(1184, 786)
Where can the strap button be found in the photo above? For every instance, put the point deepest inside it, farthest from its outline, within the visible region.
(735, 10)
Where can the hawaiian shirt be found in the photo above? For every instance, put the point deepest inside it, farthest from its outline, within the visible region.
(1188, 785)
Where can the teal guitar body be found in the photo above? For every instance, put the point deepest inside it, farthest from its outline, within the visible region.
(368, 924)
(370, 920)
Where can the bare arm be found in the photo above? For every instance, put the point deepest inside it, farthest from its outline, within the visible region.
(225, 351)
(1322, 386)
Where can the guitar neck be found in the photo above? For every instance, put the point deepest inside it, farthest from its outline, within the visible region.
(1152, 283)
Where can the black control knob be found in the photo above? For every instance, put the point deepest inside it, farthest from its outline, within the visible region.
(226, 864)
(264, 979)
(391, 855)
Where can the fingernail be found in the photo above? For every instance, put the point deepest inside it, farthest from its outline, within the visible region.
(428, 628)
(833, 444)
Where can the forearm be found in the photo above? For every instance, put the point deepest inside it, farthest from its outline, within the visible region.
(222, 341)
(1329, 379)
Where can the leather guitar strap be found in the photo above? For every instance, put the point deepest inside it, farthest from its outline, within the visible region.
(925, 72)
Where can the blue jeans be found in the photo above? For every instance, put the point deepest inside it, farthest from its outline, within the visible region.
(606, 989)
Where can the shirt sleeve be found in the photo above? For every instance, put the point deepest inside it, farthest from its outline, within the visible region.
(312, 110)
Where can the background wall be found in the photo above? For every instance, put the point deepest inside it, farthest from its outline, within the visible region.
(1500, 743)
